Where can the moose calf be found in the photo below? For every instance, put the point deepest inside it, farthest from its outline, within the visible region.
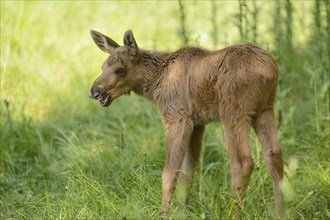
(192, 86)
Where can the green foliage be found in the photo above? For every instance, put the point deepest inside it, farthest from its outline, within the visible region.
(62, 156)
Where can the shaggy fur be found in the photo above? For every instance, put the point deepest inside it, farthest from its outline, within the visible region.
(235, 85)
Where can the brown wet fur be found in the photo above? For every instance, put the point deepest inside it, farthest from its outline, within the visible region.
(192, 86)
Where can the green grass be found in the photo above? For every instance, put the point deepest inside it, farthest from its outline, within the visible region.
(65, 157)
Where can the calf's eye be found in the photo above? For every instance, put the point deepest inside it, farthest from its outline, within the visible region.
(120, 71)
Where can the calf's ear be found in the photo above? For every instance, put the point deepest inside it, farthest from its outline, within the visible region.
(130, 43)
(103, 42)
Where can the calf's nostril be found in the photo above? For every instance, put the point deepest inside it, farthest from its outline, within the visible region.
(94, 94)
(97, 95)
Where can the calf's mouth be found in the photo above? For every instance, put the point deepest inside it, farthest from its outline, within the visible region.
(106, 100)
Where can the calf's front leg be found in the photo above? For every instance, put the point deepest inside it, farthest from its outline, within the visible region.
(189, 164)
(178, 137)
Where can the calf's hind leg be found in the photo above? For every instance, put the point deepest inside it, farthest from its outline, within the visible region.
(241, 163)
(264, 127)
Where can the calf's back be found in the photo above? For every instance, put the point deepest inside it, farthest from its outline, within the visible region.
(207, 85)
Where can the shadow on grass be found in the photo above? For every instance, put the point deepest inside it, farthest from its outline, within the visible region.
(79, 156)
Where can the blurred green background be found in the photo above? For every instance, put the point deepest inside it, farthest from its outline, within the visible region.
(65, 157)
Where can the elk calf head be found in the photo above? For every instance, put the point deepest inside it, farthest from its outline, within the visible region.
(118, 76)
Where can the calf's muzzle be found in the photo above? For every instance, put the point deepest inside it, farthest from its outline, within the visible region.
(96, 92)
